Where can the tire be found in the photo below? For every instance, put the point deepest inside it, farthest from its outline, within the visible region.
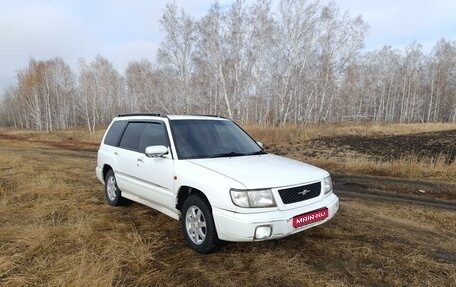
(198, 225)
(112, 192)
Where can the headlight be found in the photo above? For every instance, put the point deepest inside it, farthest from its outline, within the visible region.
(252, 198)
(328, 185)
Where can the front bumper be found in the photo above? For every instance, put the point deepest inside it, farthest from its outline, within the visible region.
(233, 226)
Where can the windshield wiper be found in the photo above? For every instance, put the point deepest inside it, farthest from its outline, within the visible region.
(228, 154)
(233, 153)
(257, 152)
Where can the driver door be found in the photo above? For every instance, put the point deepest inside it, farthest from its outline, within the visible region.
(155, 174)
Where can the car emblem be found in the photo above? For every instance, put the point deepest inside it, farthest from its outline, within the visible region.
(304, 192)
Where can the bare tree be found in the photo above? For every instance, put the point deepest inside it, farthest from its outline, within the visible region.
(100, 92)
(300, 63)
(42, 96)
(176, 50)
(211, 52)
(144, 86)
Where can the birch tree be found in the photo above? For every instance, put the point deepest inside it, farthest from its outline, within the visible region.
(298, 62)
(100, 92)
(176, 50)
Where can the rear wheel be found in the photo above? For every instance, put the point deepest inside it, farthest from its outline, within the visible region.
(198, 225)
(112, 191)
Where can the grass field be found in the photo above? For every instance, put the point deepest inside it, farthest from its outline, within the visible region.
(420, 151)
(56, 229)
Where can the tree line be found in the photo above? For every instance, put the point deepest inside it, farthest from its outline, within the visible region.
(300, 62)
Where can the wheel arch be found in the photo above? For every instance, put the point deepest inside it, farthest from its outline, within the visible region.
(185, 192)
(106, 168)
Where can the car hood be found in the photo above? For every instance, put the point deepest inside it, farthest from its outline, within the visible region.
(263, 171)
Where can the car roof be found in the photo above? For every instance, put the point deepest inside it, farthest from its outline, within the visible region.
(133, 116)
(195, 117)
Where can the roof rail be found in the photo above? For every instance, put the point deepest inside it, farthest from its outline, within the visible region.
(213, 116)
(143, 114)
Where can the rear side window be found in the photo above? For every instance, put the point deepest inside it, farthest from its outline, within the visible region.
(114, 133)
(132, 136)
(154, 134)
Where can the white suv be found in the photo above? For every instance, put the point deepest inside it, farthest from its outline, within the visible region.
(210, 174)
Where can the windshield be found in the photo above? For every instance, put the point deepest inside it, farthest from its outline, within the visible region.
(210, 139)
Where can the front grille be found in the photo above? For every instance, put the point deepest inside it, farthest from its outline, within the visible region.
(296, 194)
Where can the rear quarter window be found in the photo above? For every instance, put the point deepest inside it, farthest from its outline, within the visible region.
(114, 133)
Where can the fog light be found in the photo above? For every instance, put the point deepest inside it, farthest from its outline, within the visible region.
(263, 232)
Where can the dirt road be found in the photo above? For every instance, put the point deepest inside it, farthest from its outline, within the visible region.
(55, 229)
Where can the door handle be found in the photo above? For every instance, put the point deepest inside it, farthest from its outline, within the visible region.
(140, 160)
(116, 153)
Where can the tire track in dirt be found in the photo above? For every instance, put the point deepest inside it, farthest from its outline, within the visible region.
(439, 195)
(379, 195)
(52, 152)
(69, 145)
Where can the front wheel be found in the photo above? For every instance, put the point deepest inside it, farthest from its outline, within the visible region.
(198, 225)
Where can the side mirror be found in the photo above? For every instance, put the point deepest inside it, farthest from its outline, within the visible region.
(260, 144)
(156, 151)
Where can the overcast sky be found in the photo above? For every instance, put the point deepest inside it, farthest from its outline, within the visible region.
(122, 30)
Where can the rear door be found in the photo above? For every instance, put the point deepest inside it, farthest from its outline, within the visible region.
(128, 157)
(107, 154)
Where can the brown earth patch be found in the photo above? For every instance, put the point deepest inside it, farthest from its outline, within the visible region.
(65, 143)
(441, 144)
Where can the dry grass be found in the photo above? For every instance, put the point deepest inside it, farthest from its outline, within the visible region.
(292, 140)
(56, 229)
(292, 134)
(297, 142)
(409, 167)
